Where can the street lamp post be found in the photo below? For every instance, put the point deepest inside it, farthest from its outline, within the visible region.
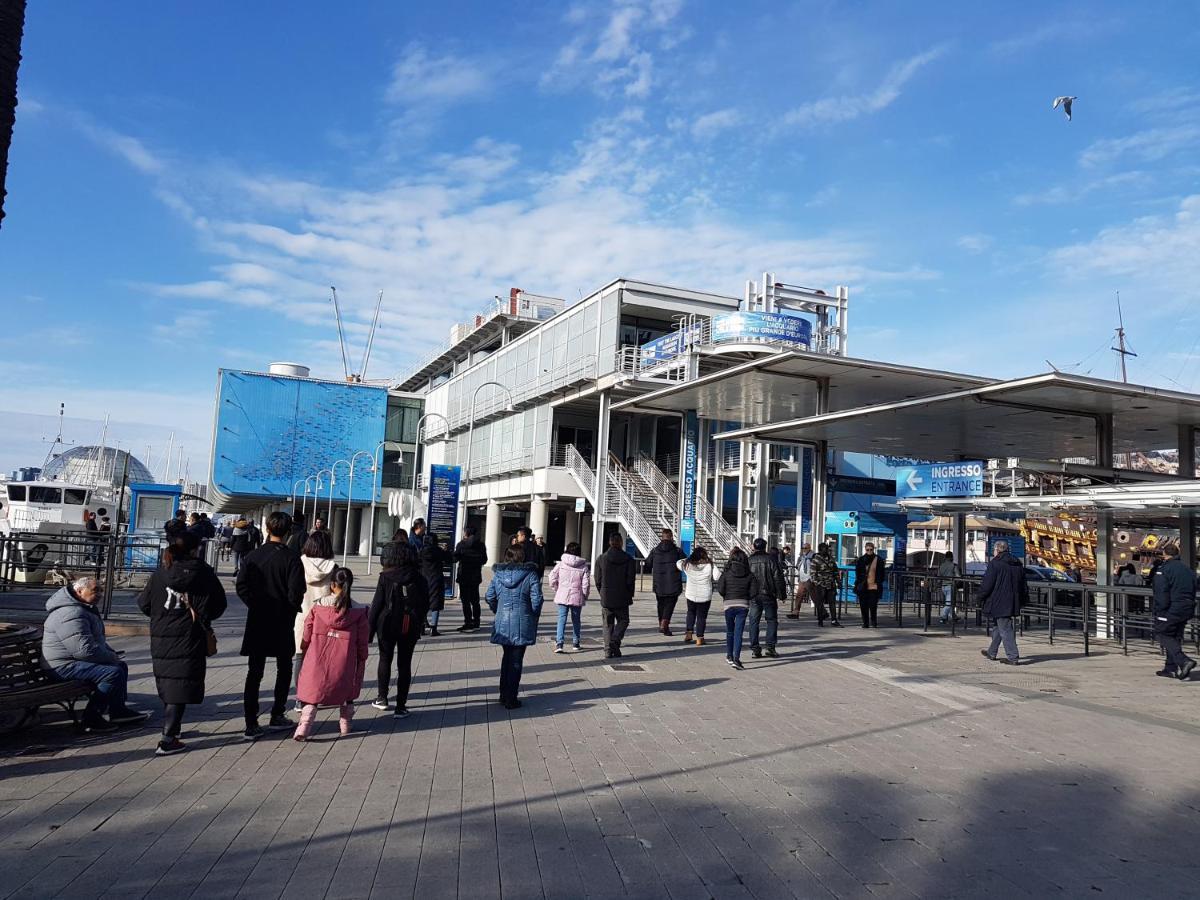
(466, 475)
(332, 482)
(296, 482)
(304, 507)
(412, 507)
(376, 470)
(350, 499)
(317, 493)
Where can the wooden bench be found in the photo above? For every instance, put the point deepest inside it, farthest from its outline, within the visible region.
(25, 684)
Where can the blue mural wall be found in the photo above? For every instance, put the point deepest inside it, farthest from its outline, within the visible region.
(272, 432)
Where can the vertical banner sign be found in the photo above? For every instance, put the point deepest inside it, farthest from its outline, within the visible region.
(687, 496)
(443, 511)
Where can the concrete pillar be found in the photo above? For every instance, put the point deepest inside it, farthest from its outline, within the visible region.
(602, 425)
(1104, 573)
(539, 516)
(492, 538)
(571, 529)
(820, 457)
(585, 532)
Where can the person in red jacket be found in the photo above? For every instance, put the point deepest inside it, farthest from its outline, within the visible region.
(335, 646)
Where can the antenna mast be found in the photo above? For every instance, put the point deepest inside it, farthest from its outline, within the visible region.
(362, 376)
(1120, 349)
(337, 314)
(62, 407)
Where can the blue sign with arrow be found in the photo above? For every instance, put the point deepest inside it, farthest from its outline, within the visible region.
(948, 479)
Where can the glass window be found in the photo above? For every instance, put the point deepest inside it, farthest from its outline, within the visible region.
(16, 492)
(152, 513)
(75, 496)
(45, 495)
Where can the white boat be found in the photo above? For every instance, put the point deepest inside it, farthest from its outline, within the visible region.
(44, 524)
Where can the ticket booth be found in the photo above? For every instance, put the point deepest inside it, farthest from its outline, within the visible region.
(850, 531)
(151, 506)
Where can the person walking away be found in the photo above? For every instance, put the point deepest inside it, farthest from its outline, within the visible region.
(1127, 576)
(868, 585)
(947, 571)
(271, 584)
(93, 537)
(515, 596)
(298, 536)
(317, 560)
(433, 566)
(534, 553)
(571, 581)
(737, 585)
(772, 587)
(471, 556)
(701, 574)
(75, 647)
(616, 577)
(397, 612)
(666, 581)
(416, 536)
(803, 580)
(1002, 593)
(1174, 606)
(823, 585)
(240, 544)
(336, 644)
(182, 598)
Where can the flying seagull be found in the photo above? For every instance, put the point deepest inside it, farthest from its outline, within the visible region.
(1066, 105)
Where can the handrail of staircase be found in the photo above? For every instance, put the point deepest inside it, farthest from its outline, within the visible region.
(579, 468)
(711, 521)
(658, 481)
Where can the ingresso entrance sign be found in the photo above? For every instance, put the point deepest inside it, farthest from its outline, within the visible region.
(943, 479)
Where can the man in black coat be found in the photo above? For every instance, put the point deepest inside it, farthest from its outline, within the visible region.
(298, 536)
(868, 585)
(772, 587)
(1174, 604)
(1003, 592)
(667, 580)
(616, 578)
(271, 584)
(471, 556)
(533, 553)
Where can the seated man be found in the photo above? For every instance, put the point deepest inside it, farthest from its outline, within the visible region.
(73, 645)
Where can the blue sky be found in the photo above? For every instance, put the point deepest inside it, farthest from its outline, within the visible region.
(183, 187)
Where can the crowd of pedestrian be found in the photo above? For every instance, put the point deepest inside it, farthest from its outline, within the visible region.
(300, 613)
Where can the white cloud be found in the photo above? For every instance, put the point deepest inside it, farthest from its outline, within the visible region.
(711, 124)
(1068, 31)
(610, 49)
(127, 148)
(419, 78)
(1145, 146)
(975, 243)
(846, 108)
(1155, 253)
(1075, 190)
(824, 196)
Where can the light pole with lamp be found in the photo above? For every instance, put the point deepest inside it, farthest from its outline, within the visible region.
(296, 482)
(317, 492)
(304, 506)
(376, 474)
(350, 499)
(412, 507)
(332, 481)
(466, 475)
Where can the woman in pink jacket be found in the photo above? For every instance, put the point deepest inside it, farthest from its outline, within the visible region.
(335, 646)
(570, 580)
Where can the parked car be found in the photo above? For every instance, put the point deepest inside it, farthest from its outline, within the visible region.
(1046, 573)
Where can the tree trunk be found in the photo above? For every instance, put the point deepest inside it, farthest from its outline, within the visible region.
(12, 24)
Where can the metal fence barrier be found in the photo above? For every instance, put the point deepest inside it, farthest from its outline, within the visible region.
(36, 561)
(1085, 612)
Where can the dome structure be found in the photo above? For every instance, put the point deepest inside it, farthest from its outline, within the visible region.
(90, 465)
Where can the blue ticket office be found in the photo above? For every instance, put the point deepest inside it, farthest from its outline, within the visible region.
(850, 530)
(150, 507)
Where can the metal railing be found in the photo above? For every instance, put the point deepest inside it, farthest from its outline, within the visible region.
(1110, 614)
(630, 363)
(728, 458)
(579, 468)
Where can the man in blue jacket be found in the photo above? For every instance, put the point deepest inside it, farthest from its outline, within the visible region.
(1174, 604)
(1003, 593)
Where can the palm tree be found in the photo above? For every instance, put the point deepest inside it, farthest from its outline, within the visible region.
(12, 24)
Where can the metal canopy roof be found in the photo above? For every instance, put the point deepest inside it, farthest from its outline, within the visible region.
(784, 386)
(1049, 416)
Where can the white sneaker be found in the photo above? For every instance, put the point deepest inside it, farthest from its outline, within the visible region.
(381, 704)
(558, 648)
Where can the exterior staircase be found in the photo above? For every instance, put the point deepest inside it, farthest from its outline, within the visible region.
(712, 531)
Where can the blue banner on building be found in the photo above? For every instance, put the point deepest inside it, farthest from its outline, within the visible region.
(943, 479)
(687, 496)
(444, 484)
(762, 326)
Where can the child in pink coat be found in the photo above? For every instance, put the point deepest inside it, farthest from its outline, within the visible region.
(335, 648)
(570, 580)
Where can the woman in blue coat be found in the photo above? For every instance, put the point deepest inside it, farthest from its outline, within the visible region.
(515, 596)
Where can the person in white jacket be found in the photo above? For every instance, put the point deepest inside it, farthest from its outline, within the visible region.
(317, 560)
(701, 575)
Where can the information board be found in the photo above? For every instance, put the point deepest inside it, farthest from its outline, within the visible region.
(687, 496)
(444, 483)
(762, 326)
(943, 479)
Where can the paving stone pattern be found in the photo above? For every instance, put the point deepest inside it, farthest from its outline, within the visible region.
(858, 764)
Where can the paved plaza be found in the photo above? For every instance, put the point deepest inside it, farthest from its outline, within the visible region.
(858, 764)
